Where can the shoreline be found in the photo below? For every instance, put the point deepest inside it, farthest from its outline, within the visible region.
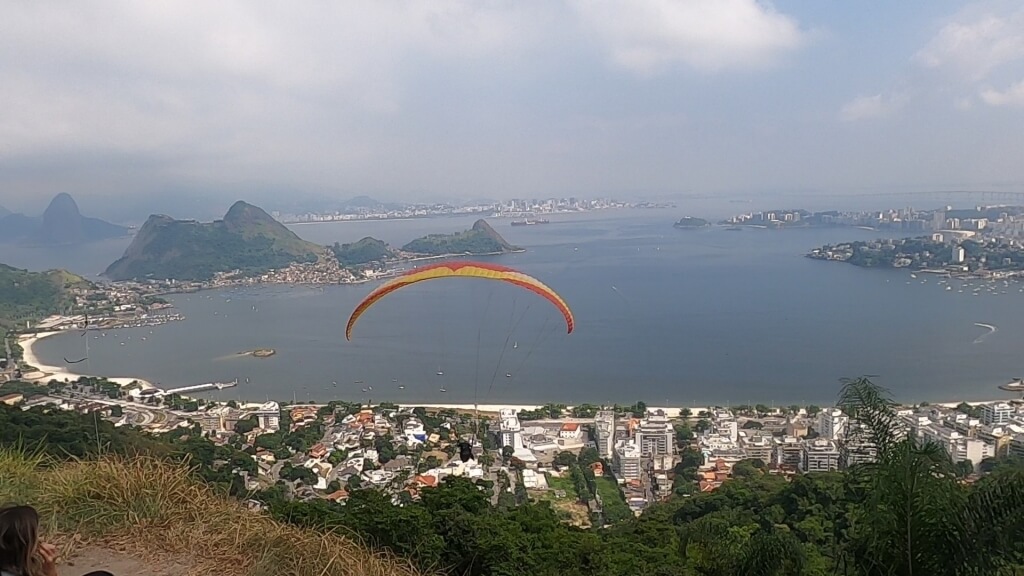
(45, 372)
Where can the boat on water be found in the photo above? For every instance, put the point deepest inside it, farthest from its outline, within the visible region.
(529, 222)
(508, 374)
(515, 345)
(439, 373)
(443, 390)
(734, 229)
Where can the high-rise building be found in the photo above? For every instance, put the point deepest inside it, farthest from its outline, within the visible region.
(604, 428)
(819, 455)
(996, 413)
(509, 430)
(958, 254)
(628, 460)
(832, 423)
(268, 416)
(856, 450)
(788, 452)
(758, 447)
(655, 435)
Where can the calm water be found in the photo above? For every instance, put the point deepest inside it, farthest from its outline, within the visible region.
(662, 315)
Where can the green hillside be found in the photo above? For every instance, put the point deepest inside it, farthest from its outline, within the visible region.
(247, 239)
(28, 295)
(480, 239)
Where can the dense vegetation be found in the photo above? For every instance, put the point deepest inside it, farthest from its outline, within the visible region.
(906, 515)
(480, 239)
(247, 239)
(30, 295)
(362, 252)
(691, 222)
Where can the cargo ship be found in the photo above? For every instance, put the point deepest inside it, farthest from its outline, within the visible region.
(529, 222)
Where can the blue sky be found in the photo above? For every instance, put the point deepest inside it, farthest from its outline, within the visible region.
(146, 102)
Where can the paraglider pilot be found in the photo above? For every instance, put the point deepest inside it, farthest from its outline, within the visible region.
(465, 452)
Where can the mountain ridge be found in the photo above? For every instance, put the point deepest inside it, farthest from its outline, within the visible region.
(62, 223)
(246, 239)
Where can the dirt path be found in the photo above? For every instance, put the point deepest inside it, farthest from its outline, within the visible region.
(118, 564)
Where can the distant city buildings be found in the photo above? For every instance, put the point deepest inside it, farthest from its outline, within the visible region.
(517, 207)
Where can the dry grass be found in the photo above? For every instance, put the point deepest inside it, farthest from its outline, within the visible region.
(155, 510)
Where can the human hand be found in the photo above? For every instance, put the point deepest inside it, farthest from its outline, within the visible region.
(48, 556)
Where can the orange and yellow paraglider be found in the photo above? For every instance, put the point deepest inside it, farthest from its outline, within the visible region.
(462, 270)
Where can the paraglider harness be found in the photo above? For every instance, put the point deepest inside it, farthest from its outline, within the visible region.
(465, 452)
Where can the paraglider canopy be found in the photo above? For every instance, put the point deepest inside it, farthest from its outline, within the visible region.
(462, 270)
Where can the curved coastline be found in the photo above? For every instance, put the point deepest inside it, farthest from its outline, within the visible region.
(45, 372)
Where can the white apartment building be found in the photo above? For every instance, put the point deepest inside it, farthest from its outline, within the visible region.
(832, 424)
(268, 416)
(819, 455)
(604, 428)
(996, 413)
(788, 452)
(509, 430)
(759, 447)
(727, 428)
(628, 460)
(655, 435)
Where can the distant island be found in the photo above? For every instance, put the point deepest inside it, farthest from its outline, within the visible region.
(478, 240)
(688, 222)
(362, 252)
(61, 224)
(247, 239)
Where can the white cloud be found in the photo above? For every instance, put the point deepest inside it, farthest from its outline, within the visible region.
(866, 107)
(975, 43)
(1012, 96)
(648, 36)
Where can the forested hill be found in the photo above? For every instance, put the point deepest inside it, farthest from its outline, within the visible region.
(247, 239)
(480, 239)
(362, 252)
(29, 295)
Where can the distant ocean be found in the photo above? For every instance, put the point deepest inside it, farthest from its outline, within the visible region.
(671, 317)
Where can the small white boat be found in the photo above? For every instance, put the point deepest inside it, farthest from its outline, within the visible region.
(439, 373)
(508, 374)
(443, 390)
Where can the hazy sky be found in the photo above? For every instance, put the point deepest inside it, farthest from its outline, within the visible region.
(152, 102)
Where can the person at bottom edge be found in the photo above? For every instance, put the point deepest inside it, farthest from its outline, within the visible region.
(22, 553)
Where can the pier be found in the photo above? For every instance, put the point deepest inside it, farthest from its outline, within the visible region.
(202, 387)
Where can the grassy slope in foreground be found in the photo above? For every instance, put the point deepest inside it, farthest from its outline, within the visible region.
(480, 239)
(157, 512)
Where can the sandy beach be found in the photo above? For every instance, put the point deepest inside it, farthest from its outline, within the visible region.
(45, 372)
